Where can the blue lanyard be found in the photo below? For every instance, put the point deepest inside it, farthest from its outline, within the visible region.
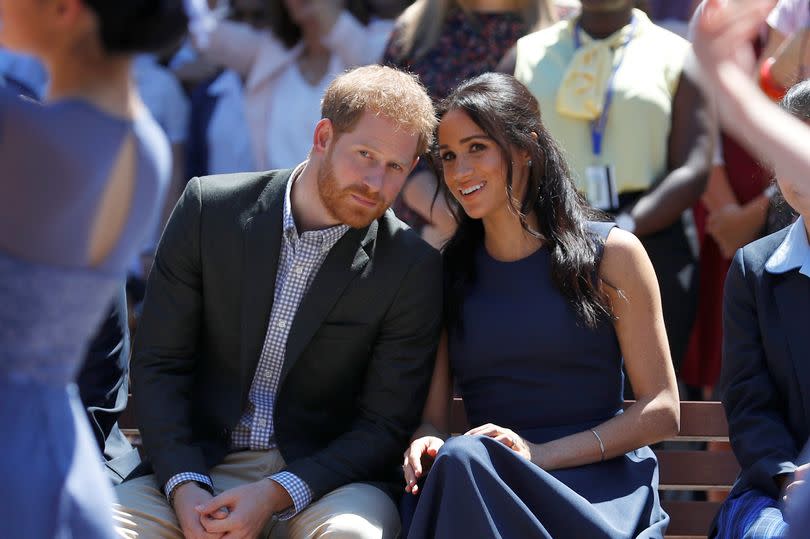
(598, 126)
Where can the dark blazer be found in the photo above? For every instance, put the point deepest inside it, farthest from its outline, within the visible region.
(765, 378)
(359, 354)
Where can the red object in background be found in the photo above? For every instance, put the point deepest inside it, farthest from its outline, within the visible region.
(701, 366)
(767, 84)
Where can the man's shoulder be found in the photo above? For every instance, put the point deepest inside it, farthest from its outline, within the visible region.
(757, 253)
(238, 189)
(239, 183)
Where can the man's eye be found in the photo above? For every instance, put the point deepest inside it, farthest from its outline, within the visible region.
(364, 153)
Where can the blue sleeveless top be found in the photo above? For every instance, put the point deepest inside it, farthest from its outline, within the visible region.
(524, 360)
(56, 161)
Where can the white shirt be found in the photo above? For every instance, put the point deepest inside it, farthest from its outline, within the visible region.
(227, 133)
(263, 60)
(793, 252)
(295, 109)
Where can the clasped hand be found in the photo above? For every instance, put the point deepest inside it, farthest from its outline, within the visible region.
(238, 513)
(420, 454)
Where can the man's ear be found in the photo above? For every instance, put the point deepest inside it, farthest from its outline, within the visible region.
(413, 165)
(324, 135)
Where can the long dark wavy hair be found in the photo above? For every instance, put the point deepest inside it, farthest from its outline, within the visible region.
(508, 113)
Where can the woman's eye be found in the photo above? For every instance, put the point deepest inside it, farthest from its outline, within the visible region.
(477, 147)
(447, 156)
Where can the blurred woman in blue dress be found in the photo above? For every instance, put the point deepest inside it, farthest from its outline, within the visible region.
(83, 178)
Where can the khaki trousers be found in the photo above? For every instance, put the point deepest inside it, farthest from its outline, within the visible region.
(352, 511)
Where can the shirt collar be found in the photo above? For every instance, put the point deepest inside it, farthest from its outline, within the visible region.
(327, 237)
(793, 252)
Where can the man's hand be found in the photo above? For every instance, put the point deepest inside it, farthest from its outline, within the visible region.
(249, 508)
(186, 497)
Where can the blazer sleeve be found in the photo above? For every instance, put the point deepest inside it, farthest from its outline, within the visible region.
(394, 389)
(760, 439)
(164, 351)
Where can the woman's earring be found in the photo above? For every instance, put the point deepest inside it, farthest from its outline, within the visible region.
(529, 163)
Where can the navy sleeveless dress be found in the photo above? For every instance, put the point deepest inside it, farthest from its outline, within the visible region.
(56, 161)
(523, 361)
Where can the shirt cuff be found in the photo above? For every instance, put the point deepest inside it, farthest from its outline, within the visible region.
(299, 491)
(184, 477)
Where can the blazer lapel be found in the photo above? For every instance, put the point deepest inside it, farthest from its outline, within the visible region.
(344, 262)
(792, 292)
(262, 244)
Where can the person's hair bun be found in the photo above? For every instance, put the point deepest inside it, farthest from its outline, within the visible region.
(129, 26)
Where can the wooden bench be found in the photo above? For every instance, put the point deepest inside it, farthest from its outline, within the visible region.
(681, 469)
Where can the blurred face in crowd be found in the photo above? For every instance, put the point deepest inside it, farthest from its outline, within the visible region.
(302, 11)
(474, 166)
(361, 171)
(252, 12)
(606, 5)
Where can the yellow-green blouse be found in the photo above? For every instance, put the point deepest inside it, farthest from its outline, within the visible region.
(638, 126)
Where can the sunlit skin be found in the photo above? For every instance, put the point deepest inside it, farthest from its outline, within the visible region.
(474, 168)
(353, 177)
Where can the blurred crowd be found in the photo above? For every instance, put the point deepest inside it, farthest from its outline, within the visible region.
(243, 93)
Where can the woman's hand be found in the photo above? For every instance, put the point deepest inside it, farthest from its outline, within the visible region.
(507, 437)
(421, 449)
(797, 481)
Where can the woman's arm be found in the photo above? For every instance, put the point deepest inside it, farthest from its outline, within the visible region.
(237, 45)
(688, 162)
(429, 437)
(633, 292)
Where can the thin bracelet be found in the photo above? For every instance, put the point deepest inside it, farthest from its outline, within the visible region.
(601, 445)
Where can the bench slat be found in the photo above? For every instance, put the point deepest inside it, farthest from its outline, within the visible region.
(689, 519)
(696, 470)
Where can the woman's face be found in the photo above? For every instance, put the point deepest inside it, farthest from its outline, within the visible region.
(474, 167)
(605, 5)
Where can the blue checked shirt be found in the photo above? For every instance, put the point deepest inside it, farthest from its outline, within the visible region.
(300, 258)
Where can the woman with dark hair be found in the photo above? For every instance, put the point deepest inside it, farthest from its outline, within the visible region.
(83, 180)
(543, 303)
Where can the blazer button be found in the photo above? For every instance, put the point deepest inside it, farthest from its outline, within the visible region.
(225, 433)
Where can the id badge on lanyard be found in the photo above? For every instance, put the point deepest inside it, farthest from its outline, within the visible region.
(600, 180)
